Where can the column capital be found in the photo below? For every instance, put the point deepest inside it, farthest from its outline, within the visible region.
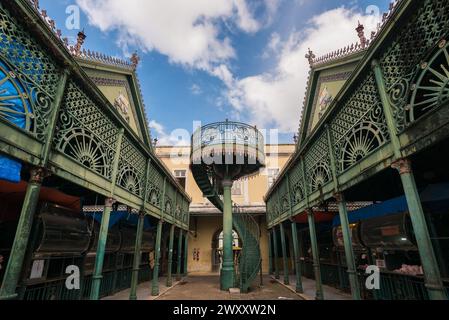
(227, 183)
(339, 197)
(38, 174)
(309, 211)
(109, 202)
(404, 166)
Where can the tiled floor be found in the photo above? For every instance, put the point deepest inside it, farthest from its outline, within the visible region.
(144, 291)
(207, 287)
(330, 293)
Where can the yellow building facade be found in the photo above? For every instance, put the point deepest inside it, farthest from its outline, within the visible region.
(206, 221)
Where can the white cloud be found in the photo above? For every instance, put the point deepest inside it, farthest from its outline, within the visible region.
(196, 89)
(275, 98)
(187, 32)
(179, 137)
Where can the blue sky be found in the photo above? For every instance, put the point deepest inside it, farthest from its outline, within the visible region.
(208, 60)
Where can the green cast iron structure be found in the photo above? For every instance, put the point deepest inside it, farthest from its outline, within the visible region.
(222, 153)
(72, 132)
(393, 106)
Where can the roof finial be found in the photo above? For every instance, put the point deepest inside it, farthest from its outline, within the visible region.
(361, 33)
(135, 59)
(79, 42)
(310, 56)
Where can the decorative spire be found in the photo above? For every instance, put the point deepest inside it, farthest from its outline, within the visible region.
(310, 56)
(135, 59)
(361, 33)
(79, 42)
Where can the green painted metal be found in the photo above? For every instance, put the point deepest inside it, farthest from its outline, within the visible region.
(186, 253)
(433, 281)
(349, 252)
(178, 265)
(102, 238)
(157, 258)
(299, 287)
(99, 259)
(227, 275)
(316, 256)
(137, 257)
(276, 254)
(250, 261)
(270, 254)
(432, 274)
(14, 267)
(170, 256)
(284, 255)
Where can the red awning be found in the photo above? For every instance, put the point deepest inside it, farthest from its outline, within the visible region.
(12, 195)
(320, 216)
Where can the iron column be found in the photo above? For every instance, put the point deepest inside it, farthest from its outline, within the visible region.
(349, 250)
(14, 267)
(284, 255)
(157, 257)
(170, 256)
(102, 238)
(227, 270)
(431, 270)
(299, 287)
(316, 256)
(270, 254)
(186, 252)
(276, 254)
(429, 262)
(178, 266)
(137, 257)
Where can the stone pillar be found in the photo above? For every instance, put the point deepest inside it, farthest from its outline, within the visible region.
(349, 250)
(15, 261)
(316, 255)
(431, 270)
(137, 257)
(227, 270)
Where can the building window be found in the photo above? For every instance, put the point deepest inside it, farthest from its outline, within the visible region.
(272, 176)
(181, 177)
(237, 188)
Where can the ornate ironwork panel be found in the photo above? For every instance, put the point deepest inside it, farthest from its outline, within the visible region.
(132, 167)
(359, 128)
(85, 133)
(155, 184)
(428, 25)
(317, 161)
(15, 104)
(33, 65)
(297, 191)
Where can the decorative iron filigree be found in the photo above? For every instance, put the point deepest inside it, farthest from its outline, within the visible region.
(32, 65)
(432, 84)
(15, 105)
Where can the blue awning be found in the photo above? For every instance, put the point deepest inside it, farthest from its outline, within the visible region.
(120, 216)
(432, 194)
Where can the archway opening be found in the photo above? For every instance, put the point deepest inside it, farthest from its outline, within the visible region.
(217, 249)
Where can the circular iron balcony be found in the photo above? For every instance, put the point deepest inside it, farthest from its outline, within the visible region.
(232, 144)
